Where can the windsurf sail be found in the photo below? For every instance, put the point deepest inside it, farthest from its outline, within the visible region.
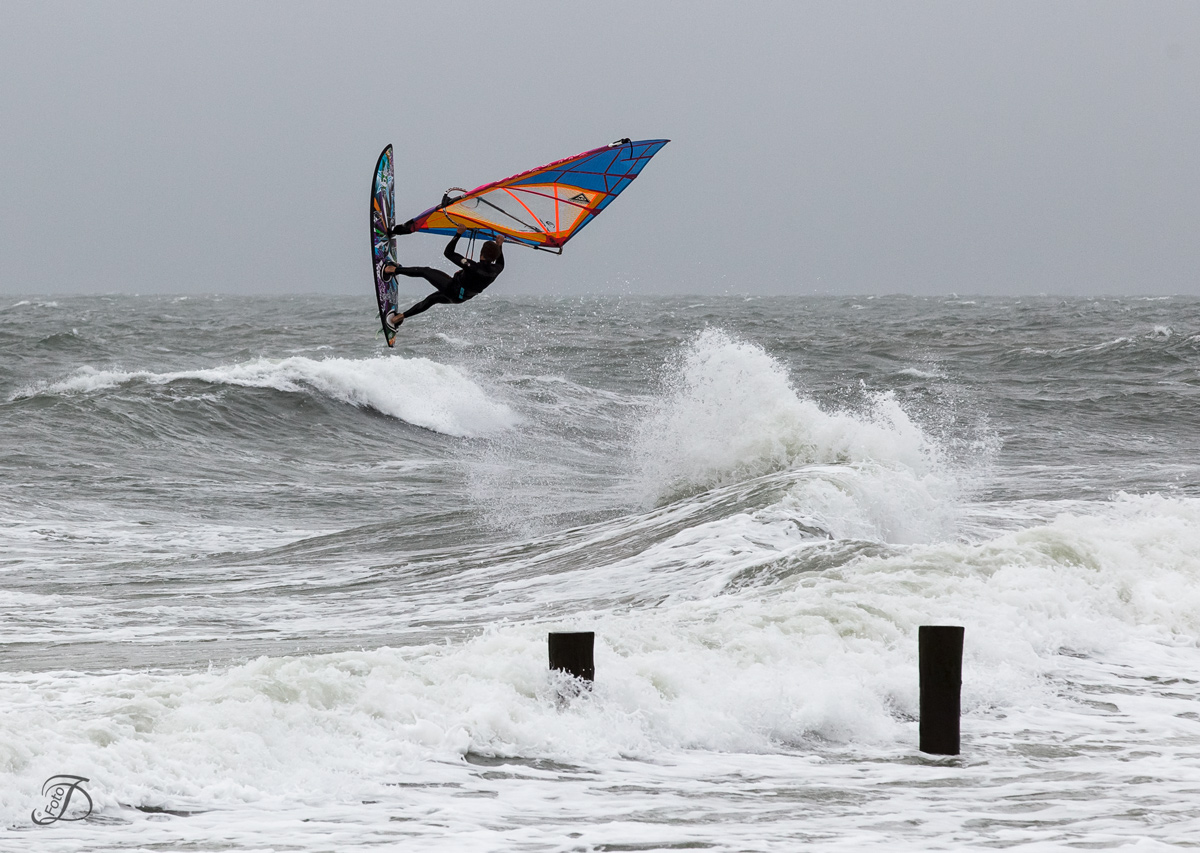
(547, 206)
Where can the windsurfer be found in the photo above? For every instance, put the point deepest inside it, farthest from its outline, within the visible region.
(472, 278)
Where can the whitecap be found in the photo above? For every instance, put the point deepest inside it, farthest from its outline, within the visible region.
(418, 391)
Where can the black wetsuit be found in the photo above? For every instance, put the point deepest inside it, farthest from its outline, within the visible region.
(472, 279)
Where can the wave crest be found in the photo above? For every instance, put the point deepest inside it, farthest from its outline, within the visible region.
(731, 412)
(418, 391)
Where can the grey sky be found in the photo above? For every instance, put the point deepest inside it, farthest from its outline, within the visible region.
(981, 147)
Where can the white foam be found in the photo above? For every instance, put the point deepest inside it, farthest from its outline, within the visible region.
(730, 412)
(36, 304)
(416, 390)
(921, 374)
(767, 687)
(452, 340)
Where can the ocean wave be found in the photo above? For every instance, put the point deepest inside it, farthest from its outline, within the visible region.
(731, 412)
(824, 655)
(36, 303)
(916, 373)
(418, 391)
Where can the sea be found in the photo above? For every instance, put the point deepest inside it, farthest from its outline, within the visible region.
(267, 585)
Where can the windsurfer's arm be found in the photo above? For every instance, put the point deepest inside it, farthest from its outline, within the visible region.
(451, 255)
(499, 262)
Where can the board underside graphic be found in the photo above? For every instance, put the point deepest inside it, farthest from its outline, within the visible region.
(383, 247)
(547, 206)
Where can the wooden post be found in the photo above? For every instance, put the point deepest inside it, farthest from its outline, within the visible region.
(572, 653)
(940, 652)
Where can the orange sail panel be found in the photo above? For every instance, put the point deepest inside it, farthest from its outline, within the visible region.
(547, 206)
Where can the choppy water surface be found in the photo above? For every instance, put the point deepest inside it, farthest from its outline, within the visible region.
(269, 585)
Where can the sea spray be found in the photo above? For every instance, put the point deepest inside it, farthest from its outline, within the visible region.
(729, 411)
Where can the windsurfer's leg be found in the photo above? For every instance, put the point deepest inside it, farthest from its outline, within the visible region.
(402, 228)
(427, 303)
(435, 277)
